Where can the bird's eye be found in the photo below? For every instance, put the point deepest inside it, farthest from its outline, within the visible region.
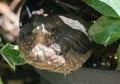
(39, 27)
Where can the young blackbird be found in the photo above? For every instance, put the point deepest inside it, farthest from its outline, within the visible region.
(46, 42)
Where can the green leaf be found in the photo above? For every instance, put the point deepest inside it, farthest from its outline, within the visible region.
(105, 31)
(101, 7)
(118, 58)
(115, 4)
(11, 55)
(1, 81)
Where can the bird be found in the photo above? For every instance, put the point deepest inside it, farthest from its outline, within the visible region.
(47, 43)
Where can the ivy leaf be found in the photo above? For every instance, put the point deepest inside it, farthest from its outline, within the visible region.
(115, 4)
(102, 7)
(105, 31)
(118, 58)
(11, 55)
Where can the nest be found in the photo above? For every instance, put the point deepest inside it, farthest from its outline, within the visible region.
(47, 31)
(73, 62)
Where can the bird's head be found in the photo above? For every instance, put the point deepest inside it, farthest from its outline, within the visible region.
(35, 32)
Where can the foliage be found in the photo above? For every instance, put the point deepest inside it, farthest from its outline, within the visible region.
(11, 55)
(101, 7)
(106, 29)
(115, 4)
